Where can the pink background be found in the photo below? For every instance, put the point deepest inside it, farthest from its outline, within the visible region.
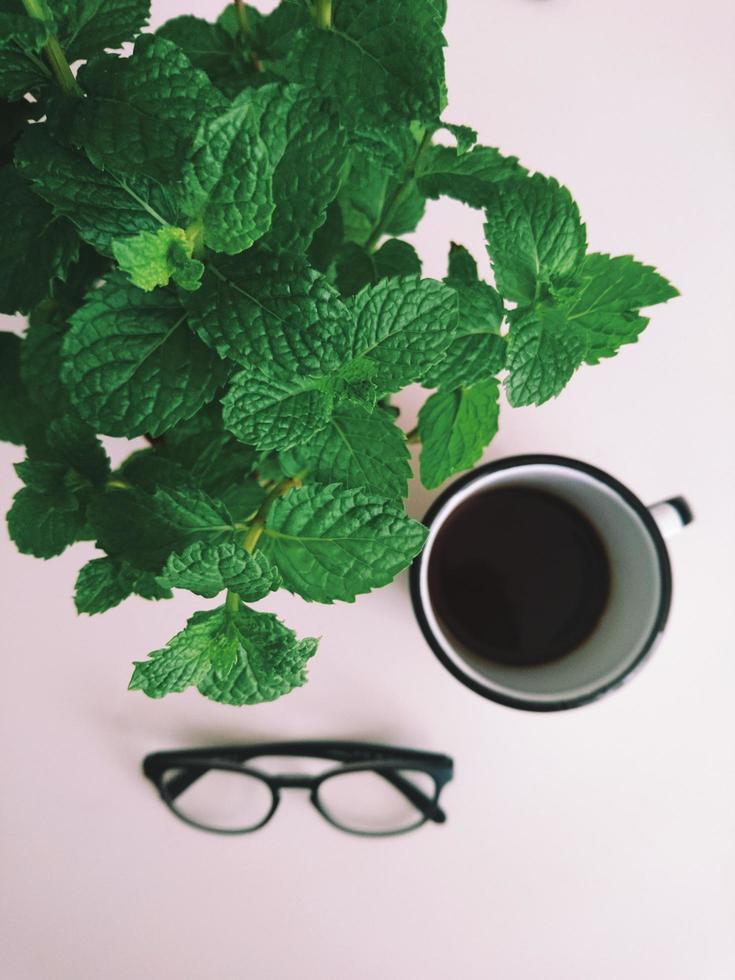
(593, 844)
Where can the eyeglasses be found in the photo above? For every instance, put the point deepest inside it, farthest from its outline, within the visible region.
(376, 790)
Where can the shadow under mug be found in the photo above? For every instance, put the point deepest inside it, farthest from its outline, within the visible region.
(640, 585)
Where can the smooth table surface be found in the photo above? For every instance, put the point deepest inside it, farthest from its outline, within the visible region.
(598, 843)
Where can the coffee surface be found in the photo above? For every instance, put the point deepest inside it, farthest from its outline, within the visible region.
(518, 576)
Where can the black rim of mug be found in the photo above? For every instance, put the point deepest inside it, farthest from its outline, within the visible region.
(561, 704)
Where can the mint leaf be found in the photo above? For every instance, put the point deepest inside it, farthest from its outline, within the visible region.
(359, 448)
(153, 258)
(72, 442)
(104, 206)
(207, 569)
(274, 312)
(142, 113)
(462, 266)
(362, 198)
(455, 426)
(609, 295)
(309, 152)
(105, 582)
(396, 258)
(465, 136)
(477, 351)
(44, 524)
(15, 405)
(377, 60)
(234, 204)
(353, 269)
(21, 41)
(132, 365)
(403, 326)
(331, 543)
(213, 49)
(544, 351)
(85, 27)
(467, 177)
(30, 229)
(534, 236)
(272, 413)
(145, 528)
(243, 657)
(43, 476)
(40, 360)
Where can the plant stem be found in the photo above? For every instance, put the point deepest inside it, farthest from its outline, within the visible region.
(397, 195)
(413, 436)
(324, 14)
(258, 525)
(55, 54)
(232, 602)
(246, 28)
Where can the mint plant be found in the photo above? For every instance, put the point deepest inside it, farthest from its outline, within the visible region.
(205, 235)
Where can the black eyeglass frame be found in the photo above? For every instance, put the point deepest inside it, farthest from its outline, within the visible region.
(385, 760)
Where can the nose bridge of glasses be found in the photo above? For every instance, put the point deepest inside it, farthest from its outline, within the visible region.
(292, 781)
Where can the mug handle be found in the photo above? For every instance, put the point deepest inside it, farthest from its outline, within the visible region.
(671, 515)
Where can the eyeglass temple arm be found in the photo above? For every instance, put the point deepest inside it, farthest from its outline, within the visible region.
(420, 800)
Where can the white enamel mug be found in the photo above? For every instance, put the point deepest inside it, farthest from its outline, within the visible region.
(640, 585)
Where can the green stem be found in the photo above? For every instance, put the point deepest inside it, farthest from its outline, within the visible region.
(397, 196)
(257, 527)
(413, 436)
(232, 602)
(55, 53)
(246, 28)
(323, 14)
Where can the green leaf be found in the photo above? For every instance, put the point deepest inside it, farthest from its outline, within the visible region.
(606, 304)
(104, 582)
(309, 153)
(272, 413)
(228, 180)
(153, 258)
(104, 206)
(207, 569)
(132, 365)
(544, 351)
(353, 269)
(35, 247)
(455, 426)
(332, 543)
(465, 136)
(72, 442)
(40, 360)
(362, 198)
(21, 41)
(380, 59)
(359, 448)
(477, 351)
(462, 266)
(467, 177)
(534, 236)
(403, 326)
(143, 112)
(15, 404)
(242, 657)
(86, 27)
(274, 312)
(44, 524)
(43, 476)
(145, 528)
(396, 258)
(211, 48)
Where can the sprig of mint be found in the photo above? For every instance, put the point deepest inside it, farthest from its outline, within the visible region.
(205, 235)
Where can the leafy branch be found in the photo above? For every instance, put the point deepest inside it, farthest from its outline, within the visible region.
(209, 251)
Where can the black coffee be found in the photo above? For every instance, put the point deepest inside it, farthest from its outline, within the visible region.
(518, 576)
